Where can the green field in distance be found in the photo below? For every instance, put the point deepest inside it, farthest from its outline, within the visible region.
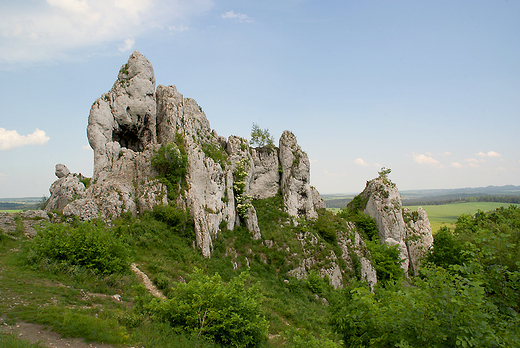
(446, 214)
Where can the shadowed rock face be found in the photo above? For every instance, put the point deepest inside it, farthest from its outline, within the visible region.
(128, 125)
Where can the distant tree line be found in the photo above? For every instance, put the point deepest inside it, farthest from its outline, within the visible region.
(441, 201)
(12, 206)
(337, 203)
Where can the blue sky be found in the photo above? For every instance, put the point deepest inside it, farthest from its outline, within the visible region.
(430, 89)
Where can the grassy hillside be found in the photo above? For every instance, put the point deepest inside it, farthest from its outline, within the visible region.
(76, 279)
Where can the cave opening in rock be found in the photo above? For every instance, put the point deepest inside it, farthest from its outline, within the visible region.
(128, 136)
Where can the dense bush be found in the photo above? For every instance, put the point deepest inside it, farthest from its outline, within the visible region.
(89, 245)
(229, 314)
(441, 310)
(467, 295)
(387, 261)
(171, 162)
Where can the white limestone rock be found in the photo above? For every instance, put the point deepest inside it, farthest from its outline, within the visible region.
(295, 182)
(265, 180)
(384, 205)
(125, 115)
(63, 191)
(419, 236)
(61, 170)
(351, 241)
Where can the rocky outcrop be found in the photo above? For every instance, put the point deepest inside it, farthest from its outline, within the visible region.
(419, 237)
(129, 125)
(125, 116)
(352, 245)
(26, 223)
(383, 203)
(295, 181)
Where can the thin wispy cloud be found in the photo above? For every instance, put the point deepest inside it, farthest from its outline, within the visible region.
(240, 17)
(473, 162)
(456, 165)
(127, 45)
(10, 139)
(424, 159)
(489, 154)
(361, 162)
(52, 29)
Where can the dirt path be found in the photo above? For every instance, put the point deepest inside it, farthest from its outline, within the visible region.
(36, 333)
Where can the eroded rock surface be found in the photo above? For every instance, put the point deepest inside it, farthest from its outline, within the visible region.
(383, 203)
(128, 125)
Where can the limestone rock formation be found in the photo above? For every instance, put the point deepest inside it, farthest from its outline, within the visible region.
(24, 223)
(419, 237)
(130, 124)
(296, 188)
(383, 203)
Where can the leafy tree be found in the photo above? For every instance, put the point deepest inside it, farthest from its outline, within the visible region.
(387, 261)
(261, 137)
(441, 310)
(384, 172)
(447, 250)
(229, 314)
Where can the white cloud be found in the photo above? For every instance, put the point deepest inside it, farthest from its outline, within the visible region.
(242, 18)
(456, 165)
(447, 153)
(10, 139)
(361, 162)
(472, 162)
(489, 154)
(53, 29)
(86, 147)
(423, 159)
(127, 46)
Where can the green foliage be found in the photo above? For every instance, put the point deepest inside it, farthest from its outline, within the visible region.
(316, 283)
(89, 245)
(387, 261)
(12, 341)
(447, 250)
(171, 162)
(175, 218)
(326, 227)
(384, 172)
(261, 137)
(365, 224)
(85, 181)
(357, 204)
(441, 310)
(229, 314)
(243, 201)
(301, 338)
(216, 153)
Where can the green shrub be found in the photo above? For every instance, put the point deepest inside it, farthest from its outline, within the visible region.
(446, 249)
(316, 283)
(171, 162)
(216, 153)
(387, 261)
(89, 245)
(229, 314)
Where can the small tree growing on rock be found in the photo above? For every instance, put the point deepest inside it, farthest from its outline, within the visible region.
(261, 137)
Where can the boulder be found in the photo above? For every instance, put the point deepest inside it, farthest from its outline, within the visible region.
(61, 170)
